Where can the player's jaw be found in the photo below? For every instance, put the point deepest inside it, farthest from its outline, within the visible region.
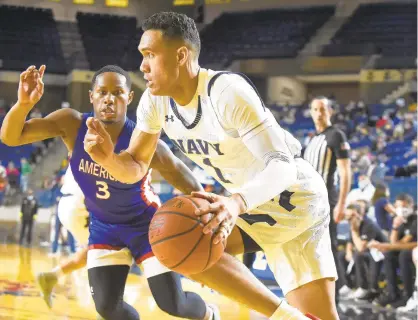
(109, 114)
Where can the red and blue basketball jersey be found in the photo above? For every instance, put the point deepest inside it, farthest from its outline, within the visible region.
(109, 200)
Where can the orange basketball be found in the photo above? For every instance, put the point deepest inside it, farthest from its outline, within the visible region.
(177, 239)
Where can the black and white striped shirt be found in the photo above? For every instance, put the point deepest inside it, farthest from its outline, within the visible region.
(322, 153)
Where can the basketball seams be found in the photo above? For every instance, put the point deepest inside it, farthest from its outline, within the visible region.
(189, 254)
(177, 213)
(175, 235)
(185, 210)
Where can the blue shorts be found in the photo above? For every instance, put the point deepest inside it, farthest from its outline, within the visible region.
(113, 244)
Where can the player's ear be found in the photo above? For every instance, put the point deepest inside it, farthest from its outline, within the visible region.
(331, 111)
(131, 97)
(182, 55)
(91, 96)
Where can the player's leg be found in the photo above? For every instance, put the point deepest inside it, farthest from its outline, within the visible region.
(107, 285)
(305, 270)
(170, 297)
(108, 263)
(232, 279)
(165, 285)
(74, 219)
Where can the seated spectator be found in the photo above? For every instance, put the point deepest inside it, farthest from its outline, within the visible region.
(3, 182)
(410, 131)
(365, 190)
(12, 176)
(35, 113)
(412, 303)
(384, 211)
(377, 170)
(367, 266)
(403, 239)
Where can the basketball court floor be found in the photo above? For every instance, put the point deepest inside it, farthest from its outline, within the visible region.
(20, 298)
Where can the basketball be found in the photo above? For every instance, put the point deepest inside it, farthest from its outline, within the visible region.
(177, 239)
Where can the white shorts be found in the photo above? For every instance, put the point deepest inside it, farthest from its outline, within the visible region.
(73, 216)
(108, 257)
(296, 240)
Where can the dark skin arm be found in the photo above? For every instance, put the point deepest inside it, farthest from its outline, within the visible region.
(16, 131)
(174, 170)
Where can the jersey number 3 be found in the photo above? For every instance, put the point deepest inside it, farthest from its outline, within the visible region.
(103, 190)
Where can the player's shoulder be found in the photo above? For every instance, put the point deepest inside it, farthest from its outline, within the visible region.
(220, 82)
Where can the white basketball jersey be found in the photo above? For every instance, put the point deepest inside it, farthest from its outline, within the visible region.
(212, 135)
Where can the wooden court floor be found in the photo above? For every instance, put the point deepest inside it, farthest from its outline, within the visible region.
(20, 298)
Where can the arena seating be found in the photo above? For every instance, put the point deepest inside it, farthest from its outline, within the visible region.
(29, 36)
(263, 34)
(109, 39)
(386, 28)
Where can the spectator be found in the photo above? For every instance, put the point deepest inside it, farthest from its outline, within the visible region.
(28, 212)
(403, 239)
(25, 171)
(35, 113)
(384, 211)
(410, 131)
(377, 170)
(3, 173)
(412, 303)
(367, 265)
(365, 190)
(12, 177)
(3, 182)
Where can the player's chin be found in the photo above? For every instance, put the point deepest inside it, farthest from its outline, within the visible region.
(156, 91)
(108, 121)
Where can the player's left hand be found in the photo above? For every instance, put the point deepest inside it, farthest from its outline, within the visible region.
(225, 210)
(339, 212)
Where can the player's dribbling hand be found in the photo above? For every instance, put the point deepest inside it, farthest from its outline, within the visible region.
(31, 86)
(97, 142)
(226, 211)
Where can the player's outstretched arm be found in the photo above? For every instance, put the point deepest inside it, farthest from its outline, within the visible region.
(16, 130)
(128, 166)
(174, 170)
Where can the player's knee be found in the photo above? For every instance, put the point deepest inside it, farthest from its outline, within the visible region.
(173, 306)
(105, 304)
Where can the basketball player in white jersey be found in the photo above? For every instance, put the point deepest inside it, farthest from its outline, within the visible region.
(279, 202)
(74, 217)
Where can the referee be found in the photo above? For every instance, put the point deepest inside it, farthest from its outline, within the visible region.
(328, 151)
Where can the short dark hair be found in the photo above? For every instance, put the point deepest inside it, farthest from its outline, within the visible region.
(405, 197)
(112, 68)
(174, 25)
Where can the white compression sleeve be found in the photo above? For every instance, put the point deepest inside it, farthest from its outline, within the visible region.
(269, 145)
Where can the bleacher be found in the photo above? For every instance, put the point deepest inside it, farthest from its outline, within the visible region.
(264, 34)
(110, 39)
(29, 36)
(386, 28)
